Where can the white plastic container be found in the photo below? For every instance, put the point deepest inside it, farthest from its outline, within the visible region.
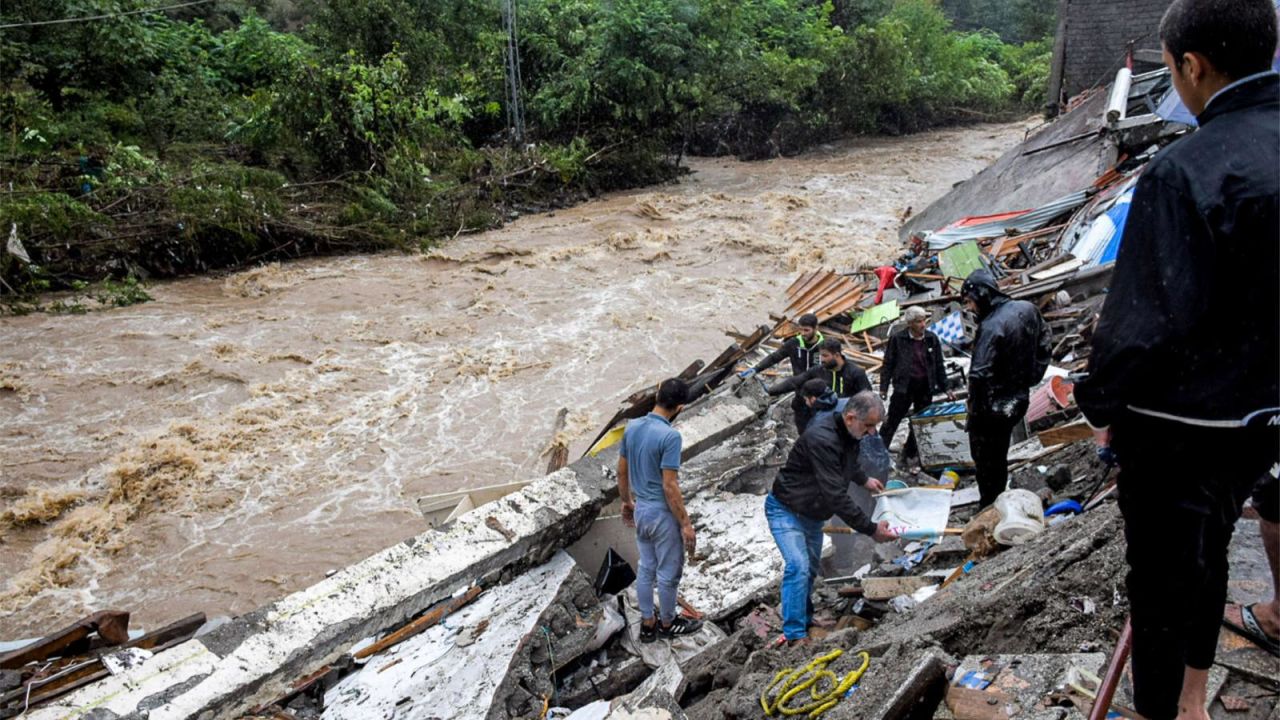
(1021, 517)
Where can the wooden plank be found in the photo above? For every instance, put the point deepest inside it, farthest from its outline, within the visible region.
(111, 625)
(817, 287)
(845, 305)
(820, 295)
(837, 292)
(800, 281)
(421, 623)
(973, 704)
(883, 588)
(558, 448)
(1078, 430)
(819, 277)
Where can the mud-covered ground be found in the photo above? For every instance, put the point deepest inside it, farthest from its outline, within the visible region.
(240, 436)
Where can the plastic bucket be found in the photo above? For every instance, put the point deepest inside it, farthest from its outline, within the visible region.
(1021, 517)
(1053, 395)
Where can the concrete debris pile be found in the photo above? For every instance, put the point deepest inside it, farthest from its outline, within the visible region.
(516, 601)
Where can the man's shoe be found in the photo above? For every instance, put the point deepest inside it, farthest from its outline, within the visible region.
(649, 633)
(679, 628)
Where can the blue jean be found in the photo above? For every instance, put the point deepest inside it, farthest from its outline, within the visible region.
(661, 559)
(800, 540)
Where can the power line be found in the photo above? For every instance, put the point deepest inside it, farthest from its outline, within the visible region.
(64, 21)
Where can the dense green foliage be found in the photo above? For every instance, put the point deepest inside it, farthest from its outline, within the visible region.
(153, 144)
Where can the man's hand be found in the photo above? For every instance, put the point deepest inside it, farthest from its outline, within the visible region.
(1102, 437)
(690, 540)
(874, 485)
(629, 514)
(747, 373)
(951, 397)
(883, 533)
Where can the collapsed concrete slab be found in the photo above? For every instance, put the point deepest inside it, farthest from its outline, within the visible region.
(457, 668)
(252, 659)
(737, 560)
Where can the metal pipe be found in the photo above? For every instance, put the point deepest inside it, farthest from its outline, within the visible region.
(1109, 682)
(1118, 104)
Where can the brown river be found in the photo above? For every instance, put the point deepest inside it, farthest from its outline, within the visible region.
(242, 435)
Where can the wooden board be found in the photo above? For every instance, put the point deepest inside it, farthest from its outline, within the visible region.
(883, 588)
(1076, 431)
(972, 704)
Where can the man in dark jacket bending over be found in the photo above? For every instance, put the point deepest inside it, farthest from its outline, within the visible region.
(812, 486)
(1010, 354)
(1183, 373)
(913, 362)
(841, 375)
(801, 349)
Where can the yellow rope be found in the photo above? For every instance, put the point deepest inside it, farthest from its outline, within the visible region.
(789, 684)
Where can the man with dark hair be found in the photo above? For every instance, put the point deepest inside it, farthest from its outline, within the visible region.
(1183, 380)
(841, 375)
(812, 486)
(649, 466)
(820, 399)
(1010, 354)
(913, 363)
(801, 349)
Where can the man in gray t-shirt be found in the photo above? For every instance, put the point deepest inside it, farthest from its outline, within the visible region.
(649, 486)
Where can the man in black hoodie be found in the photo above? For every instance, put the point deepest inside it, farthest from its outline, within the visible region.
(1183, 375)
(841, 375)
(812, 486)
(1010, 354)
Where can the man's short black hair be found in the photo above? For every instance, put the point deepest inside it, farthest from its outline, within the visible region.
(1238, 37)
(672, 393)
(808, 320)
(813, 388)
(832, 345)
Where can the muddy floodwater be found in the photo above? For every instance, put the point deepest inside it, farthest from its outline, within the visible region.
(242, 435)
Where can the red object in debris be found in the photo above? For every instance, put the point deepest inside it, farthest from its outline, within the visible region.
(886, 273)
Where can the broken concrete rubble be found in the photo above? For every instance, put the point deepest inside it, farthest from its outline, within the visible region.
(253, 658)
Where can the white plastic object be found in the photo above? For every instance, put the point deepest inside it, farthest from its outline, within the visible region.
(1021, 517)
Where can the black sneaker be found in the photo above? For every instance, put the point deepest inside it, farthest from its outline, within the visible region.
(679, 627)
(649, 633)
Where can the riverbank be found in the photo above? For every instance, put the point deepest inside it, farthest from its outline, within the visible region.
(239, 437)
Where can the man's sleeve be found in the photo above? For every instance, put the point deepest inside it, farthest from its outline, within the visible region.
(861, 382)
(792, 383)
(828, 472)
(622, 445)
(1157, 293)
(671, 447)
(939, 367)
(982, 368)
(890, 360)
(776, 356)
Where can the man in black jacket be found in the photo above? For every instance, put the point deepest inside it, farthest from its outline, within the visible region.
(801, 349)
(812, 486)
(1183, 371)
(1010, 354)
(841, 375)
(913, 362)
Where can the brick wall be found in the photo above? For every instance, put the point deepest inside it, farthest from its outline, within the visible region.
(1097, 32)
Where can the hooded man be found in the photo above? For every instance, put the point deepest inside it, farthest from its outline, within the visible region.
(1183, 382)
(1010, 354)
(913, 363)
(844, 377)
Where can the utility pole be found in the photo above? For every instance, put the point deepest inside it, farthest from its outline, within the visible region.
(515, 108)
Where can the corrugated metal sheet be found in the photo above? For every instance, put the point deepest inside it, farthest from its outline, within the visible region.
(1026, 222)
